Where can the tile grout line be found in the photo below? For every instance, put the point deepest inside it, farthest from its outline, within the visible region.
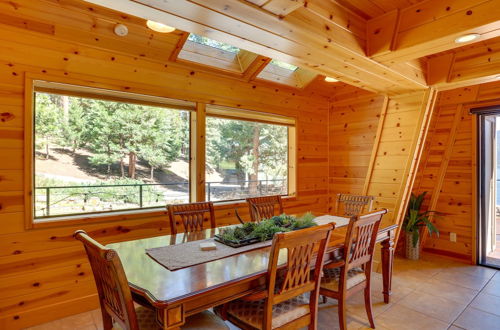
(472, 300)
(474, 297)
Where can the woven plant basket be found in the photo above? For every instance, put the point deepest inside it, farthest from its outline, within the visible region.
(412, 253)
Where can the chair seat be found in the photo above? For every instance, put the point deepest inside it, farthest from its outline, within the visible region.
(204, 320)
(331, 277)
(252, 312)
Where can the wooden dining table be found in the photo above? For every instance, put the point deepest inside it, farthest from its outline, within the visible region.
(178, 294)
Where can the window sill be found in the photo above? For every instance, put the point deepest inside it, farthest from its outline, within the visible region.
(72, 220)
(222, 205)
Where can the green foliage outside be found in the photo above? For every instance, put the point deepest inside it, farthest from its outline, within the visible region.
(114, 194)
(112, 131)
(284, 65)
(266, 229)
(48, 122)
(212, 43)
(249, 147)
(117, 136)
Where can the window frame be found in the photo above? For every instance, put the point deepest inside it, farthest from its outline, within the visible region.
(197, 143)
(266, 118)
(55, 86)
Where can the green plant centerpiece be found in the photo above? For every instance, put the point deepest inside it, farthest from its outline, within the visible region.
(414, 221)
(253, 232)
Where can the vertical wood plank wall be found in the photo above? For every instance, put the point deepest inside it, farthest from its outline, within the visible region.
(374, 146)
(44, 274)
(353, 123)
(359, 166)
(396, 160)
(446, 170)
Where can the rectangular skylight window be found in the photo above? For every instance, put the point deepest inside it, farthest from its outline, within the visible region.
(284, 65)
(212, 43)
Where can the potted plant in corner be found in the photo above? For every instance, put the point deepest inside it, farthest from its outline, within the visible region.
(414, 221)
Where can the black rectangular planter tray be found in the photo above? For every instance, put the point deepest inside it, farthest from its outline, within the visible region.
(236, 244)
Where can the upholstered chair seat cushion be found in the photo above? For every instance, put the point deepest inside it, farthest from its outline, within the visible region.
(204, 320)
(331, 277)
(252, 312)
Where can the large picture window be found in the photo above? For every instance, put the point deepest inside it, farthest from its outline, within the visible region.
(97, 155)
(97, 151)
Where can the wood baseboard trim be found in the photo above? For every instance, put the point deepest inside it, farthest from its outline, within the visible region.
(450, 254)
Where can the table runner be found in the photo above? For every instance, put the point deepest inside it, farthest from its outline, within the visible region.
(178, 256)
(189, 254)
(339, 221)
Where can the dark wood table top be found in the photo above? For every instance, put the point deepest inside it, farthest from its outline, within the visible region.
(164, 287)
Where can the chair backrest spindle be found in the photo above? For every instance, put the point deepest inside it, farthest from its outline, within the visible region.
(302, 247)
(352, 205)
(360, 239)
(192, 216)
(264, 207)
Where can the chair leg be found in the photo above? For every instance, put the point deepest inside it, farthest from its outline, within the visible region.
(368, 305)
(324, 299)
(341, 306)
(107, 321)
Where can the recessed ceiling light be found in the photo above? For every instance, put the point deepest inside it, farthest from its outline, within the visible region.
(467, 38)
(159, 27)
(330, 79)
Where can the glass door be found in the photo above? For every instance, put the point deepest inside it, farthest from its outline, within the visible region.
(489, 190)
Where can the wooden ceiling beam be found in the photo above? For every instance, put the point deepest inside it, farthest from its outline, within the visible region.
(305, 77)
(333, 13)
(302, 38)
(479, 63)
(430, 27)
(178, 47)
(256, 67)
(313, 82)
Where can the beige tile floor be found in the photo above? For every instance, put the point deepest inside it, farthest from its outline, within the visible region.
(432, 293)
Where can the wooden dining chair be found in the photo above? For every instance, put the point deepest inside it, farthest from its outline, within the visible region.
(192, 216)
(264, 207)
(352, 205)
(281, 303)
(352, 273)
(115, 296)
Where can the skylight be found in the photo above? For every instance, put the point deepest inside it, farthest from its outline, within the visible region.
(284, 65)
(212, 43)
(286, 74)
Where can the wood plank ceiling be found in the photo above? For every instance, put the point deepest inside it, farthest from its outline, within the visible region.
(377, 45)
(372, 8)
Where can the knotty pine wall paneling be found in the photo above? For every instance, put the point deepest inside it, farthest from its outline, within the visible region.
(348, 140)
(44, 273)
(376, 143)
(353, 127)
(447, 169)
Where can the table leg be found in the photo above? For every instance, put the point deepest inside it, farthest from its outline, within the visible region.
(387, 263)
(170, 318)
